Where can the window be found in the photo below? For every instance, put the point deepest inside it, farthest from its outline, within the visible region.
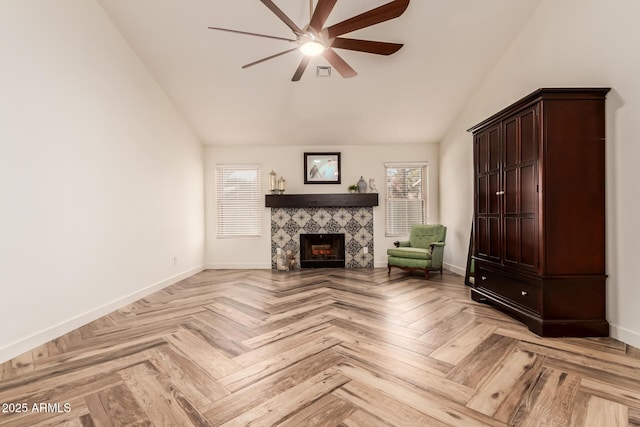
(406, 196)
(238, 207)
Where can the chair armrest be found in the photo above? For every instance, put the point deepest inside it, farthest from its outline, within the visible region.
(402, 244)
(437, 254)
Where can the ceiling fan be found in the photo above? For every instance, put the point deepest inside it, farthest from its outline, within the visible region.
(313, 39)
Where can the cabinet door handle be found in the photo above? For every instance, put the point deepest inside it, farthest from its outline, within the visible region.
(484, 277)
(524, 293)
(499, 193)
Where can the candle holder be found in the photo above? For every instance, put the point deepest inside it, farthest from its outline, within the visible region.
(281, 185)
(273, 184)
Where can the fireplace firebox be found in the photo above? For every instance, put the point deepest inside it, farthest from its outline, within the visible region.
(322, 251)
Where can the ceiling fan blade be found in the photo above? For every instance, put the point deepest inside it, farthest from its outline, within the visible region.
(321, 13)
(280, 14)
(300, 70)
(380, 14)
(251, 34)
(368, 46)
(339, 64)
(268, 58)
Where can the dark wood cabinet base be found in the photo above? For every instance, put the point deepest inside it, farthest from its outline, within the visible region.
(542, 327)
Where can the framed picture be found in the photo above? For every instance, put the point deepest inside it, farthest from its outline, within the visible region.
(322, 168)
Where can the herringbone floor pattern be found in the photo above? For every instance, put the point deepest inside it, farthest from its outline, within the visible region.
(318, 347)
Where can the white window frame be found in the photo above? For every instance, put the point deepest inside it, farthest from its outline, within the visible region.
(238, 205)
(406, 208)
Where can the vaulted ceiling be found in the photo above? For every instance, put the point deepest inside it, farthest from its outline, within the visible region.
(409, 97)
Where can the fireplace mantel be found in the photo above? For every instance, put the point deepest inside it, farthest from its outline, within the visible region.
(321, 200)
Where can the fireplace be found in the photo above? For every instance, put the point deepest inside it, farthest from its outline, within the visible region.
(356, 223)
(322, 250)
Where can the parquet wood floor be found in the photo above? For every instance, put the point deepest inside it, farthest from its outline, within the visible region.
(318, 348)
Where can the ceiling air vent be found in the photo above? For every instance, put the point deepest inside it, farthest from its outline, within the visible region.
(323, 71)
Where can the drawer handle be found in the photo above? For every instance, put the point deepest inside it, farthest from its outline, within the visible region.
(484, 277)
(499, 193)
(524, 293)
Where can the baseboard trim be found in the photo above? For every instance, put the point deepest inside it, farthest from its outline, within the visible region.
(627, 336)
(32, 341)
(227, 266)
(455, 269)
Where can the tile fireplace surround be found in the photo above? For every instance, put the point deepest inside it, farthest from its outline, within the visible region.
(355, 222)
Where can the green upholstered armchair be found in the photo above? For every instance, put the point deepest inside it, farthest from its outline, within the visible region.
(423, 251)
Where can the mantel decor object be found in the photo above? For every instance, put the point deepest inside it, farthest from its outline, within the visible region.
(282, 262)
(372, 185)
(362, 186)
(273, 182)
(281, 185)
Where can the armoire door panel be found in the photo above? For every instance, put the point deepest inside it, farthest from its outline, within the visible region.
(482, 150)
(495, 247)
(510, 196)
(511, 240)
(495, 155)
(511, 143)
(493, 194)
(528, 190)
(528, 143)
(528, 242)
(483, 195)
(488, 238)
(482, 237)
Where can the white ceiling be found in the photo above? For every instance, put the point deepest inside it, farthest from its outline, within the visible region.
(409, 97)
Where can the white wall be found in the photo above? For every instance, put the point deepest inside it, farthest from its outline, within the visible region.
(101, 180)
(568, 43)
(287, 161)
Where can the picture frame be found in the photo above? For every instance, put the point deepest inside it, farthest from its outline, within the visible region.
(322, 168)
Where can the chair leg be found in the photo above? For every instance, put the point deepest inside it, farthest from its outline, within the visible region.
(426, 273)
(389, 272)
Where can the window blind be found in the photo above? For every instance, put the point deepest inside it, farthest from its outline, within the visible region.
(406, 201)
(238, 201)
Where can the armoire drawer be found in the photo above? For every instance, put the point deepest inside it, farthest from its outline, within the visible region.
(521, 293)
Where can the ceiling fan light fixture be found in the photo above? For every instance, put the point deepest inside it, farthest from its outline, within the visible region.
(312, 48)
(315, 39)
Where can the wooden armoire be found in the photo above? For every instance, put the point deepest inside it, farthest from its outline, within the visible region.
(539, 211)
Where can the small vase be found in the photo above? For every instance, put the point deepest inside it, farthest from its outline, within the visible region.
(362, 185)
